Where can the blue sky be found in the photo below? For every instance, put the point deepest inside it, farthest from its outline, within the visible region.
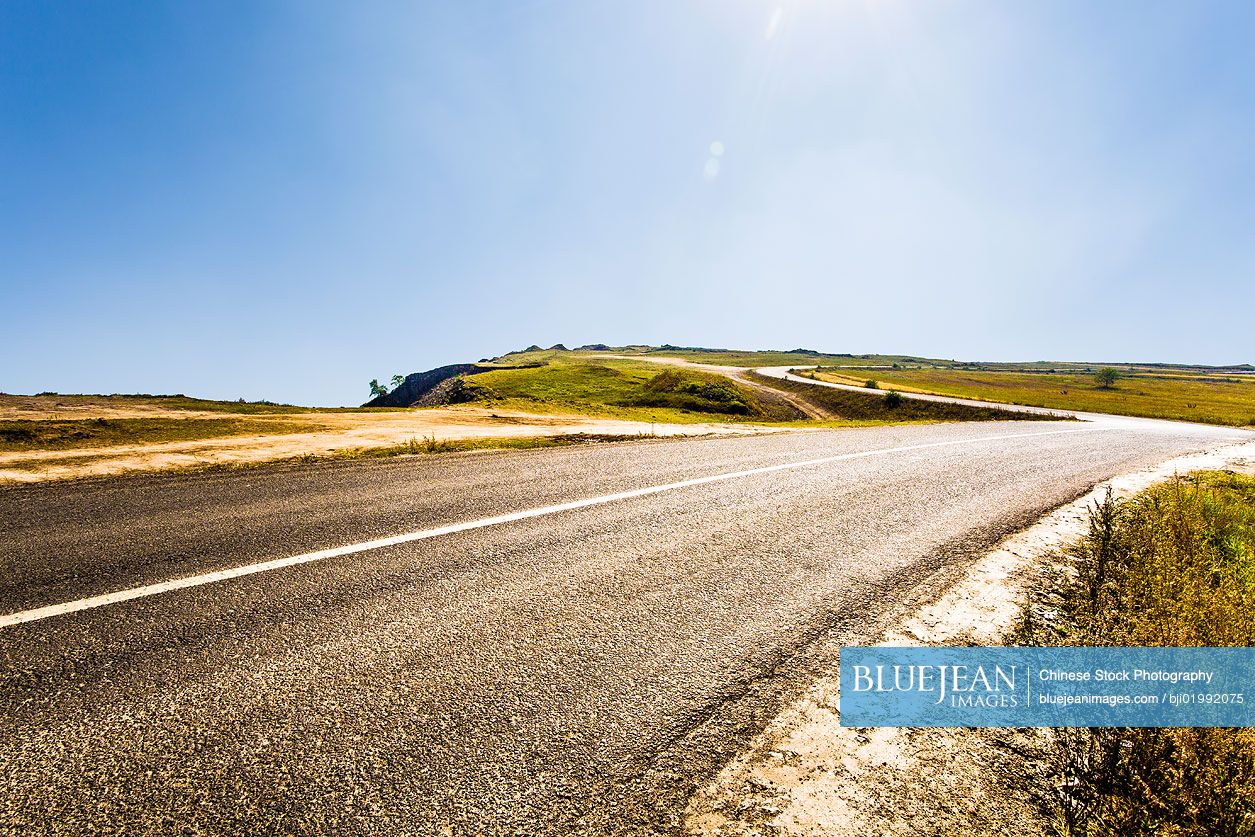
(284, 200)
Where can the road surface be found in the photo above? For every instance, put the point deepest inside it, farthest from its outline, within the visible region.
(593, 631)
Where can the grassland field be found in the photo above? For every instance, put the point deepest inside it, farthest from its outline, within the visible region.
(1208, 398)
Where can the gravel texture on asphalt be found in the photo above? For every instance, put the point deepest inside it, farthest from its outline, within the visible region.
(582, 672)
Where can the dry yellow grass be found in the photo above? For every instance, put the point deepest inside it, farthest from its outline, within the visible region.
(1210, 399)
(1174, 566)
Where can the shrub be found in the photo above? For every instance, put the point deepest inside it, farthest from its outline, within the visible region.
(16, 434)
(667, 381)
(698, 393)
(870, 384)
(892, 399)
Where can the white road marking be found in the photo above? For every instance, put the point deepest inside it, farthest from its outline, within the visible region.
(380, 543)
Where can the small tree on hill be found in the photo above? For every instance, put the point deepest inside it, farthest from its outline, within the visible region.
(376, 389)
(1106, 377)
(397, 380)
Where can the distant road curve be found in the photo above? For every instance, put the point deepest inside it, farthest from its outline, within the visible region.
(785, 373)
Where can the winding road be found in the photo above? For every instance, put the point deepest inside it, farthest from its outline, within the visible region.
(560, 640)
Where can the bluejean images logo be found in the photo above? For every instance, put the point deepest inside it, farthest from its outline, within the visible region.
(1030, 686)
(963, 686)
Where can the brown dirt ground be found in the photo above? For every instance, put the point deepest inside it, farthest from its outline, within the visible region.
(334, 432)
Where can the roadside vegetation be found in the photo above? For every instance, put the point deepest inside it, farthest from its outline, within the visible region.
(27, 435)
(1173, 566)
(1210, 398)
(431, 445)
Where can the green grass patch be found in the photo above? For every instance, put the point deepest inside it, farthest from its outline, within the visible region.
(1181, 396)
(637, 390)
(101, 432)
(1173, 566)
(702, 393)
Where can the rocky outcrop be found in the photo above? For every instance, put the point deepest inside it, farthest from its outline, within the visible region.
(451, 391)
(415, 386)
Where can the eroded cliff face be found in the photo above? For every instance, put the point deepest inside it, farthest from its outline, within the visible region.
(418, 384)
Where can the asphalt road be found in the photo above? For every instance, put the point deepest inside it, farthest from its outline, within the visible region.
(578, 671)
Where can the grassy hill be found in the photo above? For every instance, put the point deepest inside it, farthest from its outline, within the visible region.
(632, 389)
